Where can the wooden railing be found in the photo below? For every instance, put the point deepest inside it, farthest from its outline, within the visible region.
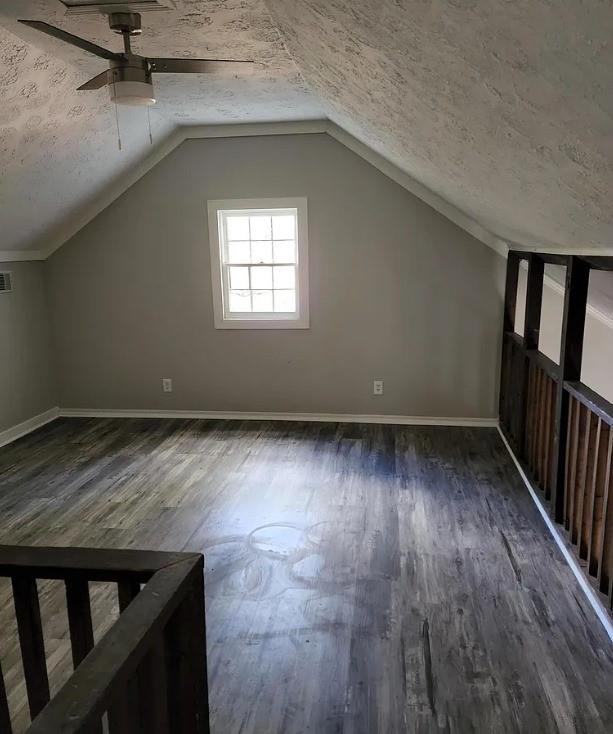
(146, 675)
(561, 430)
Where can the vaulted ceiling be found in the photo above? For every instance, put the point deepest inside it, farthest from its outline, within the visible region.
(58, 147)
(504, 108)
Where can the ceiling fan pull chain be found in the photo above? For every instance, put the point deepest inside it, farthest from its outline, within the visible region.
(116, 114)
(149, 123)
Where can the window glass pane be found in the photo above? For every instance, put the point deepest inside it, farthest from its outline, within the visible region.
(237, 228)
(261, 277)
(239, 278)
(262, 301)
(283, 227)
(285, 301)
(260, 227)
(240, 301)
(238, 252)
(283, 276)
(261, 252)
(285, 252)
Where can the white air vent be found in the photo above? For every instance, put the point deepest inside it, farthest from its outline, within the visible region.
(79, 7)
(5, 283)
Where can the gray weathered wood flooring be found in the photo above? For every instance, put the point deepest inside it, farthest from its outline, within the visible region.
(360, 578)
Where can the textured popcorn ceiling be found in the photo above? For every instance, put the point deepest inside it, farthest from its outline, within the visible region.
(502, 107)
(58, 147)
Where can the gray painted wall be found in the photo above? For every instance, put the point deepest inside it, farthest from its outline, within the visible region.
(397, 292)
(597, 342)
(27, 385)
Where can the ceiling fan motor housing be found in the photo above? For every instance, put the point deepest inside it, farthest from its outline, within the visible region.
(130, 83)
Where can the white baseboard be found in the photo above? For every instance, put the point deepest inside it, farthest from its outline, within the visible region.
(404, 420)
(22, 429)
(601, 611)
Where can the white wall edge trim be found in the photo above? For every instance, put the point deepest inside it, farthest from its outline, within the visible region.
(391, 170)
(589, 593)
(22, 429)
(404, 420)
(113, 192)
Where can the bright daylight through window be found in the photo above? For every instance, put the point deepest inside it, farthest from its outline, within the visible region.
(259, 263)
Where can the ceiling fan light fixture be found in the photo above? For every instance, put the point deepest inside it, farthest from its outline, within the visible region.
(137, 94)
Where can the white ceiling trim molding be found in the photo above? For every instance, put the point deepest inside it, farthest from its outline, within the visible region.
(428, 196)
(250, 129)
(17, 256)
(114, 191)
(389, 169)
(302, 127)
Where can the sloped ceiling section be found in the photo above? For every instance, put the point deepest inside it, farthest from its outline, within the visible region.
(502, 107)
(58, 147)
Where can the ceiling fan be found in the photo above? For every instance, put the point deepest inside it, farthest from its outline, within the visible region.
(129, 75)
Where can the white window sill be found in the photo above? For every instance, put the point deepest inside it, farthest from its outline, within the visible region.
(262, 324)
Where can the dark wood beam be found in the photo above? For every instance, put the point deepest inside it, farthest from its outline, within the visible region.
(510, 291)
(571, 355)
(534, 300)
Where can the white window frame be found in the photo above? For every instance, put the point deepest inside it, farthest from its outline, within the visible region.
(224, 319)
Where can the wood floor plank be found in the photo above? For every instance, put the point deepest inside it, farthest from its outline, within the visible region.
(360, 579)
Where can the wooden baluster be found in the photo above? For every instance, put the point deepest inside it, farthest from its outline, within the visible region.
(583, 475)
(572, 471)
(79, 618)
(587, 514)
(600, 482)
(547, 438)
(605, 566)
(537, 422)
(532, 398)
(27, 610)
(123, 715)
(550, 430)
(529, 414)
(5, 716)
(578, 473)
(541, 429)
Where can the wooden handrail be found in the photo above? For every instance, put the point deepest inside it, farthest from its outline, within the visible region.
(548, 366)
(149, 670)
(95, 564)
(592, 400)
(561, 430)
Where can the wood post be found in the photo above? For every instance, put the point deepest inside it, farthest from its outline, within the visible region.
(29, 626)
(186, 669)
(571, 354)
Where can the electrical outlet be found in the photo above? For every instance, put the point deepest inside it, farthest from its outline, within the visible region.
(377, 387)
(166, 384)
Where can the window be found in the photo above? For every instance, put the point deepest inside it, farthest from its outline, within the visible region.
(259, 263)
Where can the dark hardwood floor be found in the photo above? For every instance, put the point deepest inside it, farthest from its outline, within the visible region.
(360, 579)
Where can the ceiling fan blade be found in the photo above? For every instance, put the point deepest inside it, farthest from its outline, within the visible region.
(99, 81)
(81, 43)
(202, 66)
